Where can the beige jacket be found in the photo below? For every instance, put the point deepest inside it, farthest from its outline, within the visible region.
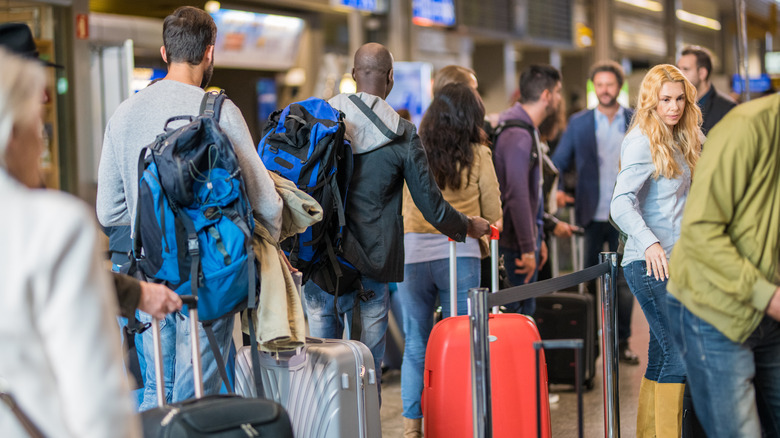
(479, 195)
(279, 318)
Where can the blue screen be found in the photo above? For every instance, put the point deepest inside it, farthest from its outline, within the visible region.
(433, 12)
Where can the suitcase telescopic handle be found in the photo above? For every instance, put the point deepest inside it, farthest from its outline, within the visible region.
(494, 233)
(560, 344)
(453, 279)
(494, 262)
(192, 305)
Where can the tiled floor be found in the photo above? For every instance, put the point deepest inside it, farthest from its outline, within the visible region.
(564, 413)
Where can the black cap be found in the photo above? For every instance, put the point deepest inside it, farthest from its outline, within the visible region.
(18, 39)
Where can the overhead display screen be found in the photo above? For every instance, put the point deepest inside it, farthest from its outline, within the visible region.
(251, 40)
(433, 12)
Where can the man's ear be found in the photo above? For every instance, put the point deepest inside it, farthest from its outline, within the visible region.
(353, 74)
(390, 81)
(545, 96)
(209, 55)
(702, 73)
(162, 53)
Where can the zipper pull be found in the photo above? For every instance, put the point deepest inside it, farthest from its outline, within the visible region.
(169, 417)
(249, 430)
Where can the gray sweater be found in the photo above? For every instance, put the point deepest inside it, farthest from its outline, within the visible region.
(136, 123)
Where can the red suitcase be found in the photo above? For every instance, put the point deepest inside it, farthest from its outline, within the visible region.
(446, 400)
(447, 409)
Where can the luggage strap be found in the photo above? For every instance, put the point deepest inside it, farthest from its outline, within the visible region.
(209, 329)
(24, 420)
(356, 329)
(259, 390)
(222, 367)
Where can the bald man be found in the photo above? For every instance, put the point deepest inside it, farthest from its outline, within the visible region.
(388, 153)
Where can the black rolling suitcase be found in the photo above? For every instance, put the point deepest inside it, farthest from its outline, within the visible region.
(568, 315)
(214, 415)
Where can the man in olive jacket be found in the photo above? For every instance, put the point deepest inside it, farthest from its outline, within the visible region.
(387, 153)
(724, 271)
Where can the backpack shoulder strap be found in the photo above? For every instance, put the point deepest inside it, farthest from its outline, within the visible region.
(517, 123)
(373, 117)
(211, 104)
(514, 123)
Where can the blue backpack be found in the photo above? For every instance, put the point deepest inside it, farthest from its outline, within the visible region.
(193, 220)
(304, 142)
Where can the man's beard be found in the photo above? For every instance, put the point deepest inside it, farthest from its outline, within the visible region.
(207, 76)
(612, 101)
(551, 109)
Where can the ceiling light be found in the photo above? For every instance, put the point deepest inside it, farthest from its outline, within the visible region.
(644, 4)
(698, 20)
(212, 6)
(347, 85)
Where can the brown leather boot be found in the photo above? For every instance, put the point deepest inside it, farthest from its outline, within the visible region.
(413, 428)
(645, 416)
(668, 409)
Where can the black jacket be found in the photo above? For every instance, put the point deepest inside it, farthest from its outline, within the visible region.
(388, 152)
(714, 109)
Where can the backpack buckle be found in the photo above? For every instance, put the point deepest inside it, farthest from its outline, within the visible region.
(192, 245)
(366, 294)
(137, 328)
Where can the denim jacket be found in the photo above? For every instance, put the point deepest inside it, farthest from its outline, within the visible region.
(648, 209)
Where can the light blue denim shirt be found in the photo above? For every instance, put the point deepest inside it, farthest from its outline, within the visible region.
(648, 209)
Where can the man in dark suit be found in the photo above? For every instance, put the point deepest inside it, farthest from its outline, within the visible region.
(592, 141)
(696, 64)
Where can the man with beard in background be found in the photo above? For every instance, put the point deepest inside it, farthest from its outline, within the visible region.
(593, 141)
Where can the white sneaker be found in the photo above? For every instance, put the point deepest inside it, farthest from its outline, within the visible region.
(554, 398)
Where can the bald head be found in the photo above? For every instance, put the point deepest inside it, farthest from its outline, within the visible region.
(373, 70)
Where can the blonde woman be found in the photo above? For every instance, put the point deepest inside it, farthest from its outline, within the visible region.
(657, 158)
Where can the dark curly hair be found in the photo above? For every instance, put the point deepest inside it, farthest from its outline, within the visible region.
(452, 123)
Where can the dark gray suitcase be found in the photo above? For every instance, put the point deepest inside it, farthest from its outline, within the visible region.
(328, 387)
(224, 416)
(567, 315)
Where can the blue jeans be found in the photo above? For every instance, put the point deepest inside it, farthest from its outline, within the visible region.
(423, 283)
(177, 358)
(735, 387)
(324, 323)
(664, 363)
(526, 307)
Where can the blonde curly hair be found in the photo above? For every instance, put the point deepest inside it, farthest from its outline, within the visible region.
(685, 136)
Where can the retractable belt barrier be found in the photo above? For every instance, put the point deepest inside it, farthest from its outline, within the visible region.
(533, 290)
(480, 302)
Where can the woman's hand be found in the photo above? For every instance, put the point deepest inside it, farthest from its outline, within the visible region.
(657, 265)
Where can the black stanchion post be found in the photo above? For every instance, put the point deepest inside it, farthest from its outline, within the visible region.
(480, 363)
(610, 346)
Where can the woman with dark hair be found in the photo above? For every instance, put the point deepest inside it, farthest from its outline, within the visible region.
(461, 163)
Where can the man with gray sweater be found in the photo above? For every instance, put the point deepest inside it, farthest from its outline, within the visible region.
(189, 35)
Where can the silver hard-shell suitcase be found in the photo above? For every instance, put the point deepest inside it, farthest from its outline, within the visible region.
(328, 387)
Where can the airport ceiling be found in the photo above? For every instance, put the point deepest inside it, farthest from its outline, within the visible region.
(145, 8)
(161, 8)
